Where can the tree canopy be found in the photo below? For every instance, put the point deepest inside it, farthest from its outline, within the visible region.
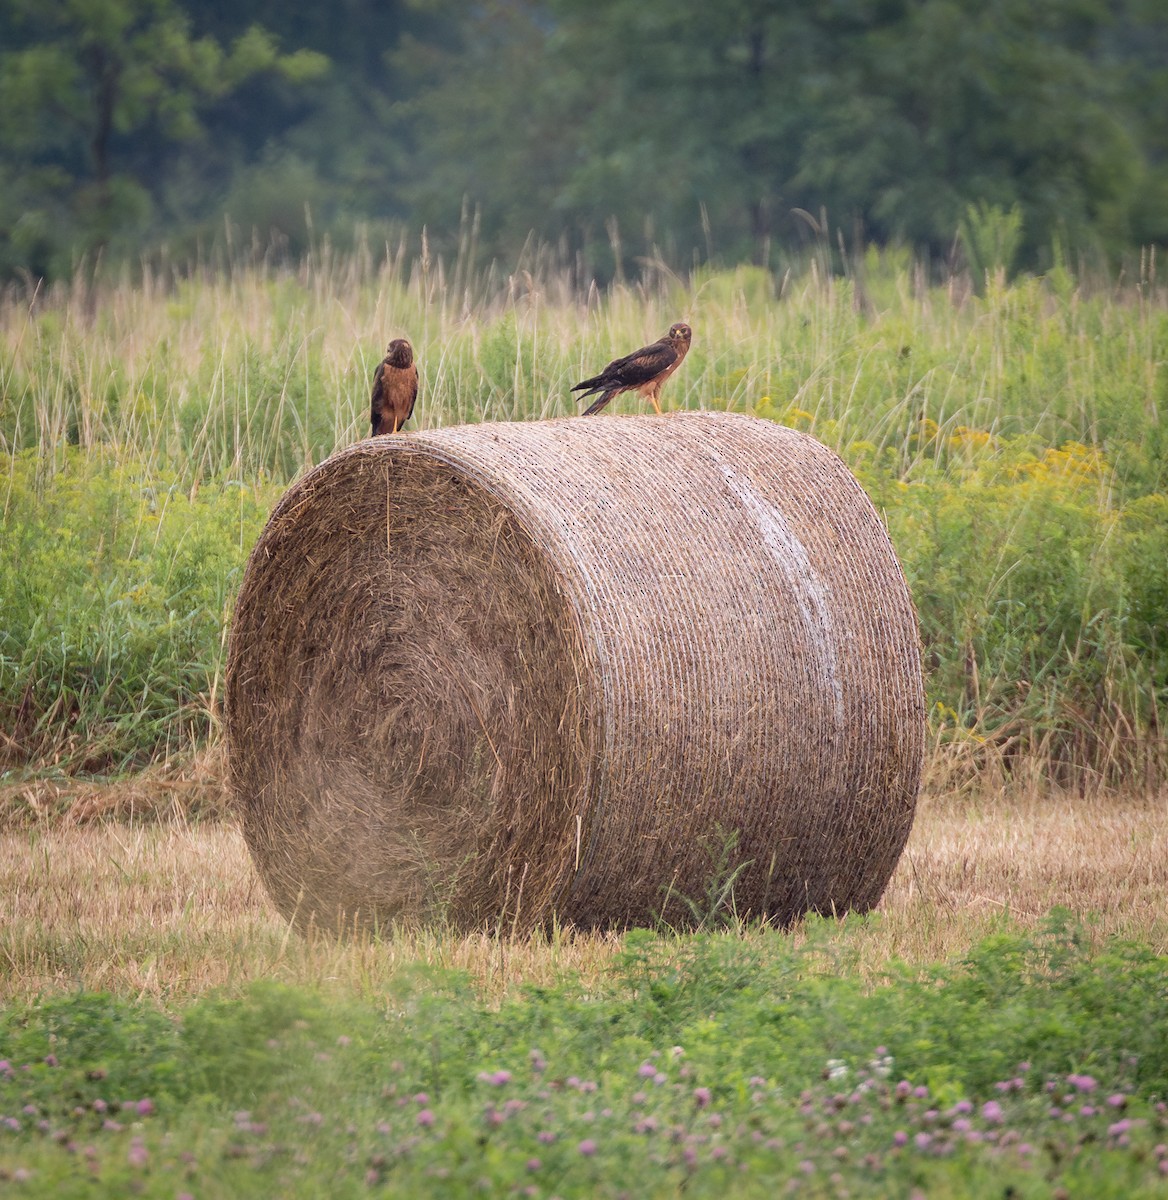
(615, 128)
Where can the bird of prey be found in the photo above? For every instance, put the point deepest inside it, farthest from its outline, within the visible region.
(395, 388)
(643, 371)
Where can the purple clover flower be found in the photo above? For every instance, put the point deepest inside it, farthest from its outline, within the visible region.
(701, 1097)
(991, 1111)
(587, 1147)
(425, 1118)
(1082, 1083)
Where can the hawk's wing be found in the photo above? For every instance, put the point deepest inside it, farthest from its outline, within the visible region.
(375, 400)
(634, 370)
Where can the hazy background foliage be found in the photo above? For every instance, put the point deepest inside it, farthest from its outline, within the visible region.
(611, 129)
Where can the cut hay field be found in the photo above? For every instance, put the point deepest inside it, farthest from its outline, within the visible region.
(163, 1033)
(167, 910)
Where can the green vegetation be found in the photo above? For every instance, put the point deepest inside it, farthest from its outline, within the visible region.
(116, 586)
(704, 1064)
(612, 131)
(1013, 442)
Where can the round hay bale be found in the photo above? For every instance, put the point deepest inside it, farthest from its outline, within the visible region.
(584, 668)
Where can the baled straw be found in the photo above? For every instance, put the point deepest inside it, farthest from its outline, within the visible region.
(597, 669)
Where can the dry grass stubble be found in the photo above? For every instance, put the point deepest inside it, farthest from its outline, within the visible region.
(169, 911)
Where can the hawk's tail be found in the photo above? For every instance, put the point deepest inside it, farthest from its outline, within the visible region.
(590, 385)
(597, 405)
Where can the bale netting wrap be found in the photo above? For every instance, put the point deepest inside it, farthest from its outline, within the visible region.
(494, 673)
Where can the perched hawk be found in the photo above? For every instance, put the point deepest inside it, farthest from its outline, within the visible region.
(395, 388)
(643, 371)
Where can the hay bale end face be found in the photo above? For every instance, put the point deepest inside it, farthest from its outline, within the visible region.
(495, 672)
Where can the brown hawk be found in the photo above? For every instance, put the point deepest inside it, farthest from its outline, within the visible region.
(395, 388)
(643, 371)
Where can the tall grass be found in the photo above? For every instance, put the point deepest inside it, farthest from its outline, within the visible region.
(1012, 440)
